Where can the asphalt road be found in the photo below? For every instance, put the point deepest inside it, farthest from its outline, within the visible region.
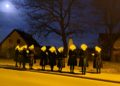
(26, 78)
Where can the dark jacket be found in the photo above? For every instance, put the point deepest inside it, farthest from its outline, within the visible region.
(43, 58)
(97, 61)
(52, 58)
(25, 55)
(16, 55)
(72, 60)
(60, 59)
(83, 61)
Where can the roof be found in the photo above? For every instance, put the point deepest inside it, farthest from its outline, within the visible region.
(27, 37)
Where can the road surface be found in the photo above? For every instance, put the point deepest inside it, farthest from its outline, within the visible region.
(27, 78)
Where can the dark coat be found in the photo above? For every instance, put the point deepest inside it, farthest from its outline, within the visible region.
(43, 58)
(31, 53)
(16, 55)
(60, 59)
(25, 56)
(97, 61)
(83, 61)
(72, 60)
(52, 58)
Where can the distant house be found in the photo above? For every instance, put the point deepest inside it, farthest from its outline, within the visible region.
(105, 44)
(7, 46)
(116, 50)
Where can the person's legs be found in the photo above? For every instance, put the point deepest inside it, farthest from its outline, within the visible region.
(70, 68)
(30, 63)
(84, 70)
(51, 67)
(43, 67)
(16, 63)
(99, 70)
(60, 68)
(24, 63)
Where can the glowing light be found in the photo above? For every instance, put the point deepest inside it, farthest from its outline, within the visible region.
(24, 47)
(98, 49)
(60, 49)
(52, 49)
(72, 47)
(7, 5)
(27, 51)
(93, 54)
(31, 47)
(17, 47)
(43, 48)
(84, 47)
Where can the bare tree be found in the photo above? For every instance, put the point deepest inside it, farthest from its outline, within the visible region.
(52, 16)
(108, 12)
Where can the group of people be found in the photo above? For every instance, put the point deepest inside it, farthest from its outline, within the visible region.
(52, 56)
(23, 55)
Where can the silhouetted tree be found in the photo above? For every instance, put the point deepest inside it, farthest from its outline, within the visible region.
(53, 16)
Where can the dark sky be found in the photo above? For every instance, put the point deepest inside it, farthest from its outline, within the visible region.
(10, 19)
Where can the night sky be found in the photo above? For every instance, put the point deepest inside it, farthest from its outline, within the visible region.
(10, 18)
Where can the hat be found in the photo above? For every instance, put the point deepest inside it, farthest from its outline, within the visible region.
(24, 47)
(52, 49)
(72, 47)
(98, 49)
(17, 47)
(84, 47)
(43, 48)
(60, 49)
(31, 47)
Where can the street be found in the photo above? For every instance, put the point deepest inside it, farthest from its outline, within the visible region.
(27, 78)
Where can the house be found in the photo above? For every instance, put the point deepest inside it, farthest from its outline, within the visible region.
(7, 46)
(110, 53)
(116, 50)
